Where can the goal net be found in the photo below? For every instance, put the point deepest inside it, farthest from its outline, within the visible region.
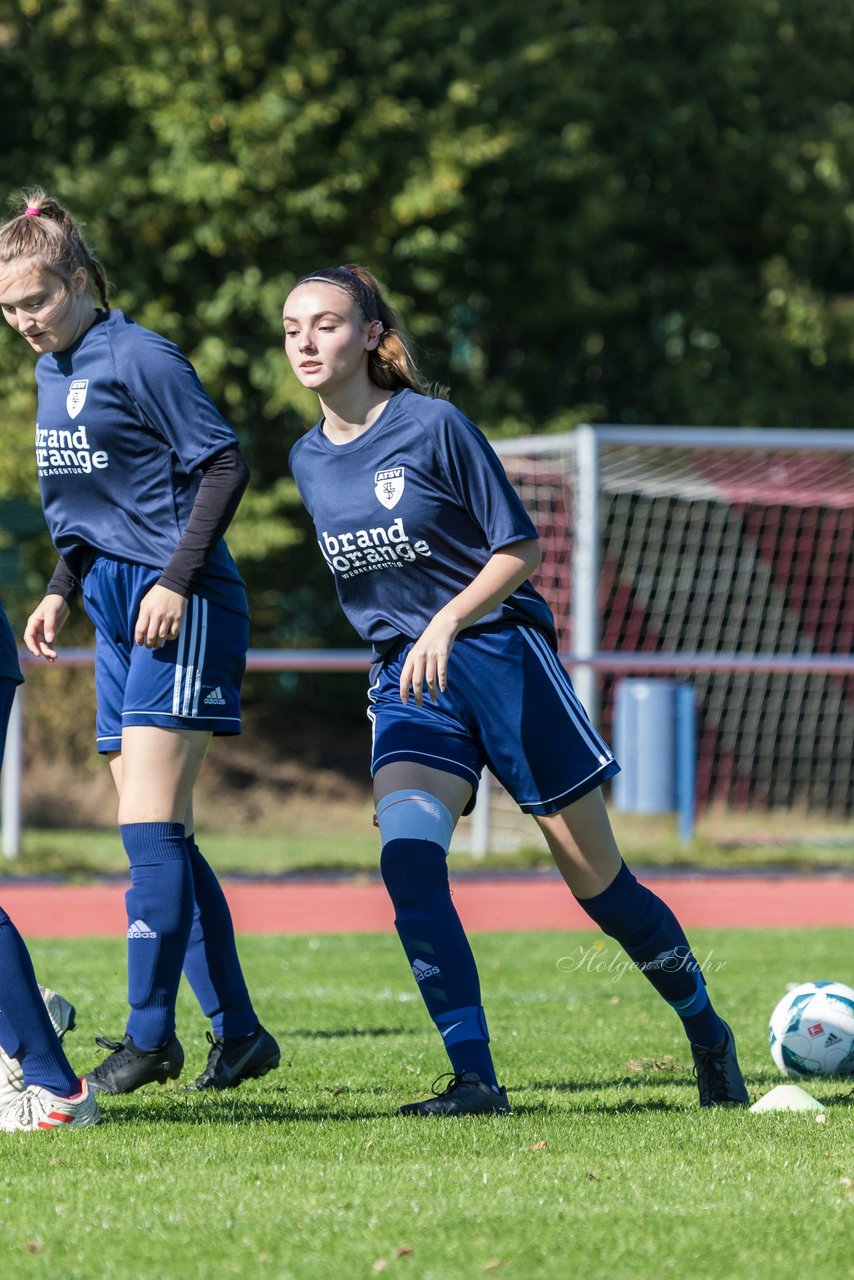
(732, 544)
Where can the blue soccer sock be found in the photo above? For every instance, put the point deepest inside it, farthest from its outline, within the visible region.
(211, 964)
(26, 1031)
(160, 912)
(416, 877)
(652, 937)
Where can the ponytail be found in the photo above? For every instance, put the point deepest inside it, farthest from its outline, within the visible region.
(46, 231)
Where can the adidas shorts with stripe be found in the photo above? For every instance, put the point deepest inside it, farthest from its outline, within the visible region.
(190, 683)
(509, 706)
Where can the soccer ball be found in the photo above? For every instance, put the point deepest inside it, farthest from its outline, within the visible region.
(812, 1031)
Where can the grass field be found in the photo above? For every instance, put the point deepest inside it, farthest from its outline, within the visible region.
(607, 1167)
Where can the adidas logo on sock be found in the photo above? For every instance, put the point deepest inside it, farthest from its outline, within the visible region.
(139, 929)
(215, 698)
(422, 970)
(669, 961)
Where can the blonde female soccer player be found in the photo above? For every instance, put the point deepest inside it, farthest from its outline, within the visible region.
(431, 552)
(140, 476)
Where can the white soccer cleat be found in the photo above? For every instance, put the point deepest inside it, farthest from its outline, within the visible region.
(62, 1012)
(62, 1015)
(37, 1108)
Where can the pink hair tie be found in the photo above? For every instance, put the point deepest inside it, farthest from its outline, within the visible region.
(31, 212)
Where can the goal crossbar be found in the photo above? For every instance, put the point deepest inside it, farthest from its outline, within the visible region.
(680, 437)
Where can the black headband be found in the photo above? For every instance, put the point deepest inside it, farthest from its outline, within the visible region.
(361, 294)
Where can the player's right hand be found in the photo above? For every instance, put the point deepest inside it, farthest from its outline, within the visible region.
(44, 625)
(426, 665)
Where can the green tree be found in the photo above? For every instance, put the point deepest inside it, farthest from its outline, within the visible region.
(583, 210)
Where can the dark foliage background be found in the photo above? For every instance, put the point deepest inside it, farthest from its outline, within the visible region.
(584, 211)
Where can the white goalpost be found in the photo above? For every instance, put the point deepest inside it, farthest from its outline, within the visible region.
(720, 555)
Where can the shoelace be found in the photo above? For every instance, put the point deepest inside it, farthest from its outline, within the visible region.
(712, 1067)
(216, 1048)
(114, 1045)
(456, 1079)
(24, 1110)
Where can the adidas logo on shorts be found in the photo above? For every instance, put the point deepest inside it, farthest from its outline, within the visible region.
(215, 698)
(422, 970)
(139, 929)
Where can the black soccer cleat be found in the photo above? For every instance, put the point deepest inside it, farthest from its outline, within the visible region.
(233, 1060)
(128, 1068)
(719, 1077)
(464, 1095)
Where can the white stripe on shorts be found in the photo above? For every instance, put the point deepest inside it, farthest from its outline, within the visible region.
(192, 642)
(372, 715)
(164, 715)
(560, 680)
(179, 671)
(200, 660)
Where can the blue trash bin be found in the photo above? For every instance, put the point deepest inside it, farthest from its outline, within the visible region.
(655, 745)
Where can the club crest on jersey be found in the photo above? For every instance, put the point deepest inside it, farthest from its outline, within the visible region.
(388, 486)
(76, 397)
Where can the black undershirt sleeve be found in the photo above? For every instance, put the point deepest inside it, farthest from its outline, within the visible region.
(63, 582)
(224, 480)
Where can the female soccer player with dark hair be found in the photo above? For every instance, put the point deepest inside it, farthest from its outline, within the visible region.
(431, 552)
(140, 476)
(38, 1088)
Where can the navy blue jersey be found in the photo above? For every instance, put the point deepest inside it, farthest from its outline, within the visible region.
(408, 514)
(123, 427)
(10, 668)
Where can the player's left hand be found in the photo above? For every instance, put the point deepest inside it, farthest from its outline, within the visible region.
(427, 661)
(160, 616)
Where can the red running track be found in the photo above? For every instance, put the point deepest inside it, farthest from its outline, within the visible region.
(509, 904)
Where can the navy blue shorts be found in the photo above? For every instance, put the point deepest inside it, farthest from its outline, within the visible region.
(189, 683)
(509, 706)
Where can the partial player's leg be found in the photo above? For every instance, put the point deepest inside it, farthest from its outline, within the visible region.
(38, 1088)
(583, 847)
(240, 1048)
(417, 810)
(32, 1053)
